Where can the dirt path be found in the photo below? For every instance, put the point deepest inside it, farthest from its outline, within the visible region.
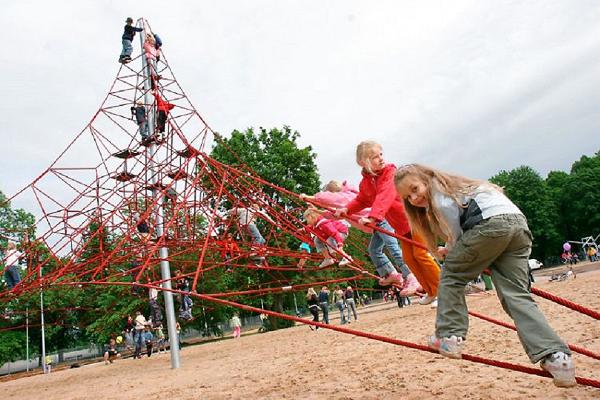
(299, 363)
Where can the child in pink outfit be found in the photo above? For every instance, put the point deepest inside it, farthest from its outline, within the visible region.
(339, 195)
(330, 234)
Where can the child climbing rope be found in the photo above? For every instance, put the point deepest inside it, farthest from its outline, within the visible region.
(336, 194)
(329, 235)
(12, 258)
(138, 111)
(481, 228)
(376, 190)
(163, 107)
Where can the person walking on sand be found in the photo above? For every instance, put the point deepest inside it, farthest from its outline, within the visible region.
(236, 325)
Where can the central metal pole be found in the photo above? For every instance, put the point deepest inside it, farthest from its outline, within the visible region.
(165, 269)
(44, 366)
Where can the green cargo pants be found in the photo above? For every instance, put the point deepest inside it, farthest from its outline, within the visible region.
(502, 243)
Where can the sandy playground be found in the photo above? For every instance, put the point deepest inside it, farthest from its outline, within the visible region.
(298, 363)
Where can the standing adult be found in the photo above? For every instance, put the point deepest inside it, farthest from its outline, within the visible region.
(324, 303)
(313, 305)
(138, 336)
(338, 299)
(350, 303)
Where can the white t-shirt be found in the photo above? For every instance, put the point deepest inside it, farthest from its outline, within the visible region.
(12, 257)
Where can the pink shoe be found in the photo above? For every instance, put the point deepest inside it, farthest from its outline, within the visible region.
(411, 286)
(391, 278)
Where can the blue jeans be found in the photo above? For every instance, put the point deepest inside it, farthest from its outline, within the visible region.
(127, 48)
(144, 129)
(257, 238)
(382, 263)
(138, 340)
(12, 276)
(325, 309)
(351, 307)
(331, 244)
(340, 306)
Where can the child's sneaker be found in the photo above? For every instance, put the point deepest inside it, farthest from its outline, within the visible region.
(427, 300)
(450, 347)
(434, 304)
(345, 261)
(411, 286)
(391, 278)
(561, 367)
(327, 262)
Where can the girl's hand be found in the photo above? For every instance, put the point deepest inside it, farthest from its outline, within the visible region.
(442, 251)
(341, 211)
(366, 220)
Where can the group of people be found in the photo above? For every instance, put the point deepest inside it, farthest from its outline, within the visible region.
(139, 333)
(344, 300)
(481, 230)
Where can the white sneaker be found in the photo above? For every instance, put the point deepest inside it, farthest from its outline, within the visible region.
(345, 261)
(433, 304)
(450, 347)
(427, 300)
(561, 367)
(327, 262)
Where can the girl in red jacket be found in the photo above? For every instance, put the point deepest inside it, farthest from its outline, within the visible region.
(377, 190)
(330, 234)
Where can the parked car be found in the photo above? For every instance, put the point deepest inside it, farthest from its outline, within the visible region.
(535, 264)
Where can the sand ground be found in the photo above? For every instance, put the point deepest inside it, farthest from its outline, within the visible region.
(298, 363)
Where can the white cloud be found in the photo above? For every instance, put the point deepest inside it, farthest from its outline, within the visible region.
(472, 86)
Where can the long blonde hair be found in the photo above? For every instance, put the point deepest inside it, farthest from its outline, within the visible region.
(310, 292)
(363, 152)
(428, 221)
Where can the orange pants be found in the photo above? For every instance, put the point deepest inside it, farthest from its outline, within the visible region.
(421, 264)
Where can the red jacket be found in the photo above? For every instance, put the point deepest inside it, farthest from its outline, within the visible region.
(162, 105)
(326, 228)
(379, 193)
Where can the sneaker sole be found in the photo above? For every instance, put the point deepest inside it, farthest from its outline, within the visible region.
(563, 378)
(456, 356)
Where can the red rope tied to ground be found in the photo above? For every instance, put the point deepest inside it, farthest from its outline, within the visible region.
(575, 348)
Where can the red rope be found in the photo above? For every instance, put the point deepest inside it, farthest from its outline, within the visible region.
(472, 358)
(566, 303)
(573, 347)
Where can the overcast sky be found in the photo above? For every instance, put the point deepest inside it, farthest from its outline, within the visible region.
(469, 86)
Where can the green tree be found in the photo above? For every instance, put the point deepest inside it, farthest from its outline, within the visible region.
(15, 224)
(581, 198)
(278, 159)
(526, 188)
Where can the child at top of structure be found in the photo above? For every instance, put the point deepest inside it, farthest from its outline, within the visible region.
(246, 217)
(150, 50)
(151, 53)
(482, 228)
(376, 190)
(329, 234)
(128, 35)
(138, 111)
(336, 194)
(12, 258)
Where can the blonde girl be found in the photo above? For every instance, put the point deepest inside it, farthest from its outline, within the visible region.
(481, 228)
(377, 191)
